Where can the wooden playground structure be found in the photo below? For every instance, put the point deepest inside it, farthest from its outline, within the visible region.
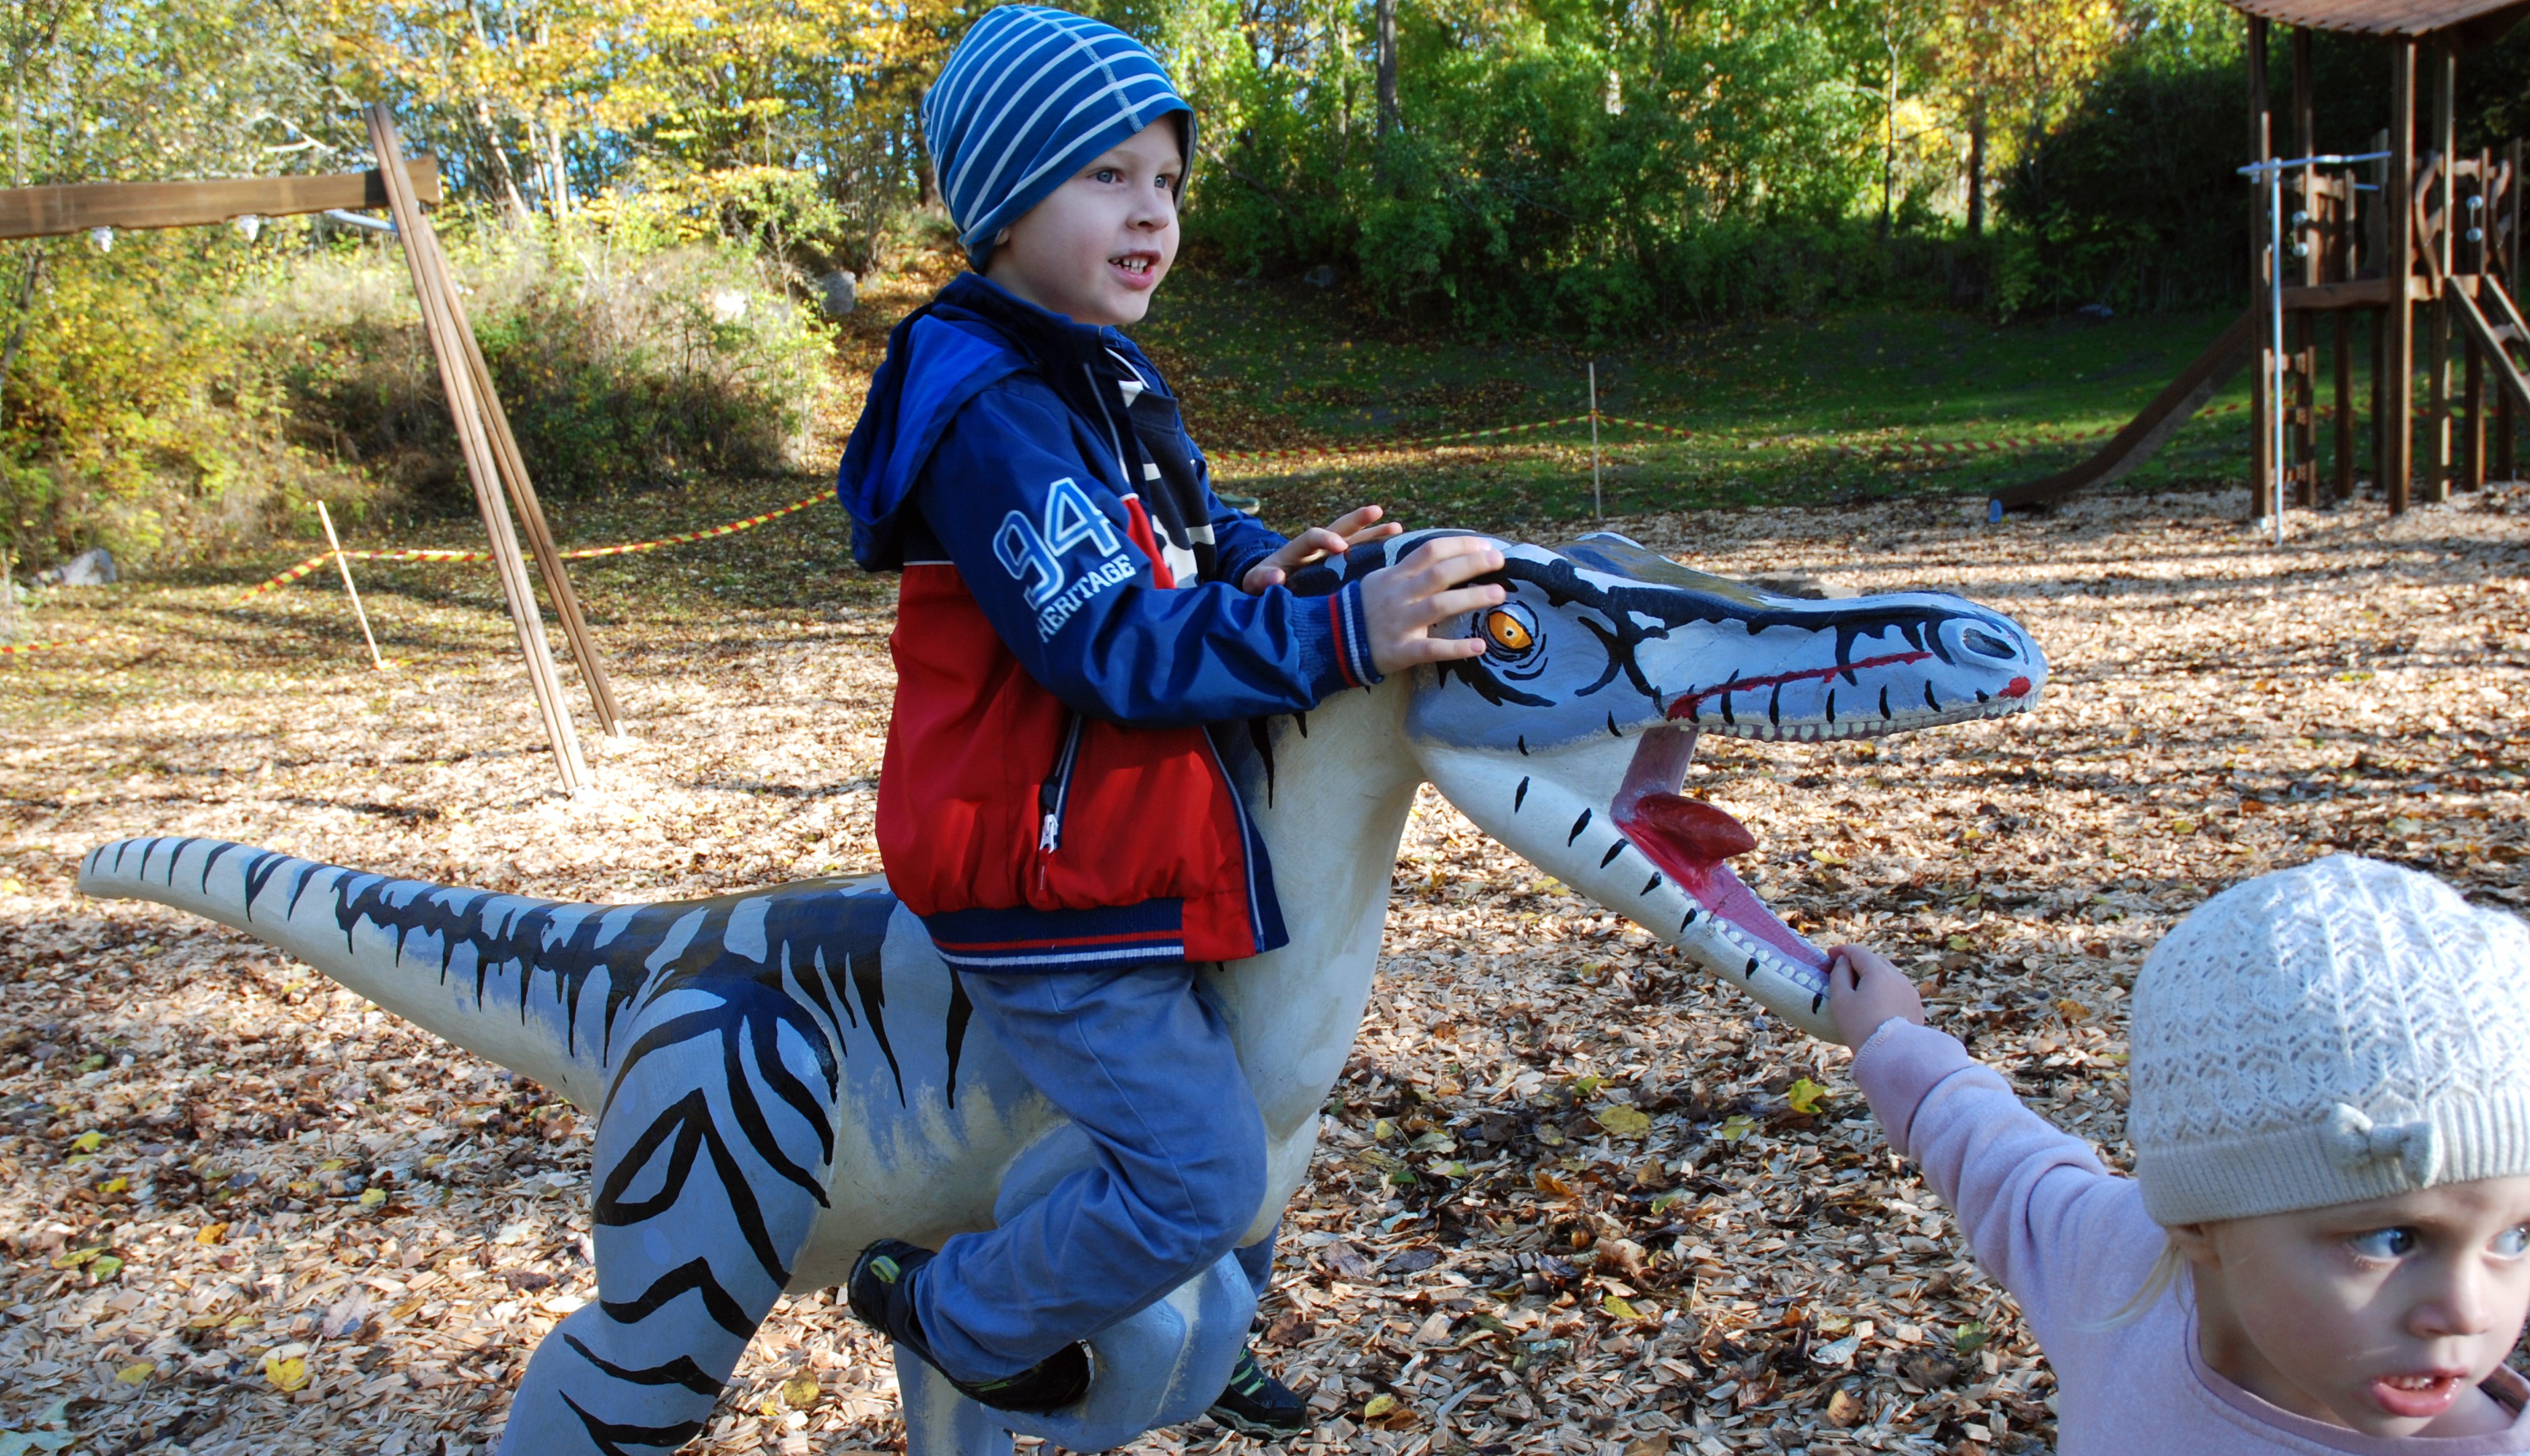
(2385, 234)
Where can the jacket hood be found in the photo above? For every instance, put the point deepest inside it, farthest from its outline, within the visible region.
(971, 336)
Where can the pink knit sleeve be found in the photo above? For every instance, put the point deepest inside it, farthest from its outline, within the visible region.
(2067, 1238)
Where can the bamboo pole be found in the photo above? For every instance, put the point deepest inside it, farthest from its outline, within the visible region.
(431, 286)
(522, 497)
(335, 544)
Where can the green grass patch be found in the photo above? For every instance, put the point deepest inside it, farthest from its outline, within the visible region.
(1775, 406)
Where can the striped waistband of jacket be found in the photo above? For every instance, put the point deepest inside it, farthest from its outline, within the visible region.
(1022, 939)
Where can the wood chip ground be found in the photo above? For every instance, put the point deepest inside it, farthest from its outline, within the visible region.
(1572, 1195)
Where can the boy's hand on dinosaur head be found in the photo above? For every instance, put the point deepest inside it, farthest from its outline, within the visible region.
(1351, 529)
(1865, 992)
(1403, 603)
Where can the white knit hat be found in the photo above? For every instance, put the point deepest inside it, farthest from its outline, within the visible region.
(2338, 1032)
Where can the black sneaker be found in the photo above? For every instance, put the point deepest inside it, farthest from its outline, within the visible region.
(1257, 1404)
(881, 1292)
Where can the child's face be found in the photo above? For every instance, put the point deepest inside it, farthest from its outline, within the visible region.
(2380, 1316)
(1098, 245)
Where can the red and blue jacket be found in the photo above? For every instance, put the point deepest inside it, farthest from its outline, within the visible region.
(1068, 630)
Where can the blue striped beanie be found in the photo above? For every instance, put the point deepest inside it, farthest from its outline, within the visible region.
(1030, 96)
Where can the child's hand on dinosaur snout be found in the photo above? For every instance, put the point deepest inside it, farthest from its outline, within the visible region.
(1399, 606)
(1865, 992)
(1353, 529)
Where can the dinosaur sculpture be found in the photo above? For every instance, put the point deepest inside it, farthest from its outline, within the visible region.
(780, 1075)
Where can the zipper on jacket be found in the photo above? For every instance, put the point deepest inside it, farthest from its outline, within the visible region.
(1057, 787)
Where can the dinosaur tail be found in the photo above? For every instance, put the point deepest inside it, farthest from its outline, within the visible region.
(472, 966)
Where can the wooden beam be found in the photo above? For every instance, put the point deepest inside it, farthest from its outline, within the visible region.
(46, 212)
(2362, 292)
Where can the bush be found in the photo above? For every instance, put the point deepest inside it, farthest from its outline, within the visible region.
(140, 416)
(2134, 200)
(1550, 181)
(618, 371)
(188, 391)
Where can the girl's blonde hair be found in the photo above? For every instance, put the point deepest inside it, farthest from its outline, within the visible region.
(2165, 1268)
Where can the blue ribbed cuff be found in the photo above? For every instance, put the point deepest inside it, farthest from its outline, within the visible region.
(1335, 640)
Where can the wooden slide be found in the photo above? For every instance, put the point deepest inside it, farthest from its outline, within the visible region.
(2148, 431)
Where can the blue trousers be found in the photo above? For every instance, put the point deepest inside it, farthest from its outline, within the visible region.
(1142, 1061)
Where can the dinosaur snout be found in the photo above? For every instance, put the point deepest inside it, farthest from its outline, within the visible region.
(1996, 657)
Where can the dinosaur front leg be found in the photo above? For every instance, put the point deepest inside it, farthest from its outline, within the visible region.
(711, 1160)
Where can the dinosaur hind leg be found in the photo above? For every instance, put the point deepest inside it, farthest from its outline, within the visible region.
(711, 1160)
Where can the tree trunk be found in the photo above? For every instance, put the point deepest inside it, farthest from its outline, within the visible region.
(929, 180)
(1976, 168)
(18, 325)
(1889, 120)
(505, 184)
(1385, 18)
(560, 196)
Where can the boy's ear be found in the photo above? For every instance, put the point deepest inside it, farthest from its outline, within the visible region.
(1002, 236)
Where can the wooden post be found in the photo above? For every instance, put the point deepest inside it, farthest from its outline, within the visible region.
(2262, 395)
(1598, 507)
(2398, 265)
(2376, 247)
(2472, 434)
(432, 287)
(2505, 213)
(2305, 328)
(2505, 423)
(334, 544)
(2438, 366)
(2341, 428)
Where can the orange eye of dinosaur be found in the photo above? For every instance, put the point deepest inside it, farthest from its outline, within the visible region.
(1508, 632)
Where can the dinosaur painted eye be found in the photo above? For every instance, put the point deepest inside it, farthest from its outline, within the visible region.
(1510, 629)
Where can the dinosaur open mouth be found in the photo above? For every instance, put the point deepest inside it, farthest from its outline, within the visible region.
(1689, 840)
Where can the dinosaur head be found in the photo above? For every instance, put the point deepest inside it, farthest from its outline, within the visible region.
(1570, 738)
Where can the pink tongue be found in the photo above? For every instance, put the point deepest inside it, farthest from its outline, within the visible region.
(1691, 839)
(1691, 829)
